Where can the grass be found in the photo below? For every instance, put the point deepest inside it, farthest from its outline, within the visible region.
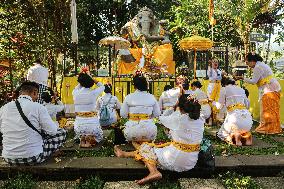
(20, 181)
(94, 182)
(233, 180)
(222, 148)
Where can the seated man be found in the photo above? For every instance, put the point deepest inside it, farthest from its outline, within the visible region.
(22, 144)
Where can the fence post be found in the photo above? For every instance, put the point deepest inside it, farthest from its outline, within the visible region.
(227, 59)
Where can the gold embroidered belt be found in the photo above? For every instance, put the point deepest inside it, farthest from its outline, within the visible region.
(138, 117)
(181, 146)
(264, 81)
(86, 114)
(236, 107)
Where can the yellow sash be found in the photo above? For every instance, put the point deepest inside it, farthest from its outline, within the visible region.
(264, 81)
(138, 117)
(216, 91)
(86, 114)
(236, 107)
(181, 146)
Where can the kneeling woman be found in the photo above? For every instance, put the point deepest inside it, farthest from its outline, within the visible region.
(238, 121)
(87, 125)
(186, 130)
(140, 108)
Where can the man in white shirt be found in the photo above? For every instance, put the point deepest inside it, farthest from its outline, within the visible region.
(21, 143)
(39, 74)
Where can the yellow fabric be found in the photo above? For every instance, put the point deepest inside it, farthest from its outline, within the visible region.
(62, 122)
(130, 68)
(236, 107)
(138, 117)
(69, 83)
(216, 91)
(270, 114)
(178, 145)
(86, 114)
(163, 55)
(264, 81)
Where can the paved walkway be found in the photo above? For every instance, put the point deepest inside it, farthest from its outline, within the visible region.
(182, 183)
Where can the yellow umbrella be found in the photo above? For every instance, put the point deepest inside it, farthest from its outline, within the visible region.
(196, 43)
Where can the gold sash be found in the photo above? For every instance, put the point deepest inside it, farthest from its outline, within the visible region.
(86, 114)
(181, 146)
(138, 117)
(264, 81)
(236, 107)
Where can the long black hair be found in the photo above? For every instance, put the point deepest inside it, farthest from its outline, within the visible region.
(190, 106)
(227, 81)
(140, 82)
(85, 80)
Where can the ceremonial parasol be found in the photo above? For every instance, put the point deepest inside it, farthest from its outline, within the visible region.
(74, 22)
(196, 43)
(116, 42)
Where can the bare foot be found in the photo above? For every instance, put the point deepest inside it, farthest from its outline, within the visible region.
(150, 178)
(118, 152)
(248, 141)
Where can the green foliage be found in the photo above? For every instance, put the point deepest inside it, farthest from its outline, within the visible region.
(236, 181)
(21, 181)
(93, 182)
(161, 135)
(165, 183)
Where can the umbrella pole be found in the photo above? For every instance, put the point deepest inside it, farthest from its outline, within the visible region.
(194, 66)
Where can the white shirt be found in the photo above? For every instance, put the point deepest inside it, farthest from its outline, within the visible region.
(112, 103)
(214, 75)
(85, 98)
(232, 94)
(198, 94)
(38, 74)
(261, 71)
(140, 102)
(53, 109)
(183, 129)
(169, 98)
(19, 140)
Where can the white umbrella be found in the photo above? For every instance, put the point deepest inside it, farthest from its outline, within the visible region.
(115, 41)
(74, 22)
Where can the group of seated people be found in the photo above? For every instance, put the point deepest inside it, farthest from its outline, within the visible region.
(181, 111)
(31, 134)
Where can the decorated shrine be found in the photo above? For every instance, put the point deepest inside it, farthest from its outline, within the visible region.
(151, 49)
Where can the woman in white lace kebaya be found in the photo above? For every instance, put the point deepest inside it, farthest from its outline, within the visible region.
(238, 122)
(186, 130)
(140, 108)
(202, 98)
(87, 125)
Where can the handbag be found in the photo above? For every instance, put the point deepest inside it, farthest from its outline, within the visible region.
(206, 157)
(27, 121)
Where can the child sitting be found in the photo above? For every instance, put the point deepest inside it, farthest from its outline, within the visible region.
(48, 98)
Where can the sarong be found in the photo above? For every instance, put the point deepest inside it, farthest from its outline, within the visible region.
(270, 114)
